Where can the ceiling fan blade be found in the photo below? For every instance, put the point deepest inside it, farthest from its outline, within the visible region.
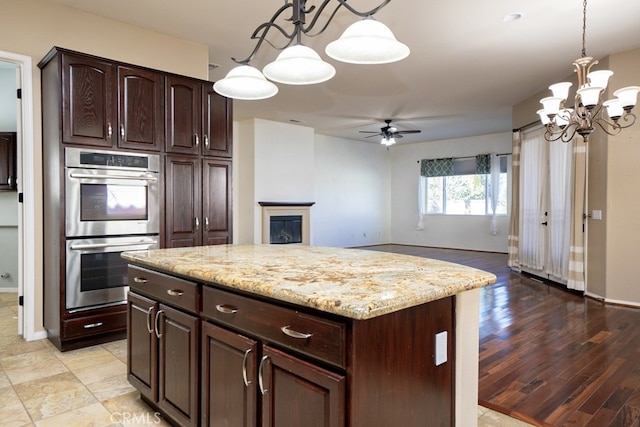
(368, 131)
(377, 134)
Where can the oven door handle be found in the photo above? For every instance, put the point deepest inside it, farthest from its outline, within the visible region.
(111, 245)
(103, 176)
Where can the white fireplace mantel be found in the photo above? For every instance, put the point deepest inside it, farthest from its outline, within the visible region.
(302, 209)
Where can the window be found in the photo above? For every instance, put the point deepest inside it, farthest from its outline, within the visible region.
(464, 192)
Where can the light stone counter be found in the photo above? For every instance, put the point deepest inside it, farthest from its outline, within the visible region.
(352, 283)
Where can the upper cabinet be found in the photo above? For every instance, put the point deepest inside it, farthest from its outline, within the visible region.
(88, 105)
(8, 176)
(198, 120)
(140, 109)
(106, 104)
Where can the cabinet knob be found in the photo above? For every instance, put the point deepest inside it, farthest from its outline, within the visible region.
(9, 181)
(121, 131)
(206, 223)
(197, 223)
(197, 139)
(109, 131)
(206, 141)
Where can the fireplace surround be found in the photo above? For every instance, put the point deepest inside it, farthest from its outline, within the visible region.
(286, 222)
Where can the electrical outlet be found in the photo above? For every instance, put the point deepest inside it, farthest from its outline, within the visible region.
(441, 348)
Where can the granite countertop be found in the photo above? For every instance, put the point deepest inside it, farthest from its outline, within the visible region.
(353, 283)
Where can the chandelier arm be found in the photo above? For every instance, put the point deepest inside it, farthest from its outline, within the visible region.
(307, 30)
(565, 134)
(605, 125)
(627, 117)
(366, 13)
(260, 33)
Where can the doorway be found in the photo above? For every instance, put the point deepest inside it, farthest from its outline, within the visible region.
(26, 186)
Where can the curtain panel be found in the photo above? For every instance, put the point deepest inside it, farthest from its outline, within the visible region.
(483, 164)
(514, 227)
(436, 167)
(576, 249)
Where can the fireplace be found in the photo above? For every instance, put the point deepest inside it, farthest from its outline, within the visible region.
(286, 223)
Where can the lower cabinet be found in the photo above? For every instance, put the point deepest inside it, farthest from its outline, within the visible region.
(163, 352)
(248, 383)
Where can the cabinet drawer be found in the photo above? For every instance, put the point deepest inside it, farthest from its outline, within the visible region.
(170, 290)
(305, 333)
(93, 325)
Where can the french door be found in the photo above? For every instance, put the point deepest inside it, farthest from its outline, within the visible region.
(546, 170)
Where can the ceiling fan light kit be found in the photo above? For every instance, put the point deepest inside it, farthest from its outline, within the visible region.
(364, 42)
(563, 123)
(389, 133)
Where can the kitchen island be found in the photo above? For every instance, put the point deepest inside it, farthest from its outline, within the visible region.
(296, 335)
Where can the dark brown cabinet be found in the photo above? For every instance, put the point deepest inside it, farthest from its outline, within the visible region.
(198, 201)
(140, 109)
(109, 105)
(163, 344)
(198, 120)
(88, 100)
(8, 162)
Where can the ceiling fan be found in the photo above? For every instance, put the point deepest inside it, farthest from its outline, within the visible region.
(389, 133)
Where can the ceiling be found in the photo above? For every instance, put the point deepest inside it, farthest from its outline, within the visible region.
(466, 68)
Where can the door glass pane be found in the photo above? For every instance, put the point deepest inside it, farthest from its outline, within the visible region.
(106, 202)
(101, 271)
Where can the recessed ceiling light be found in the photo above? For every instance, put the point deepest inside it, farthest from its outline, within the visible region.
(512, 17)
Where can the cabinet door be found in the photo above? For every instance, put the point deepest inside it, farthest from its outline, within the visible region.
(140, 109)
(183, 203)
(142, 354)
(217, 123)
(8, 161)
(183, 115)
(229, 378)
(216, 201)
(178, 380)
(88, 105)
(297, 393)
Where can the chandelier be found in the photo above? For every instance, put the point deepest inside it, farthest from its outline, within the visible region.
(562, 123)
(365, 42)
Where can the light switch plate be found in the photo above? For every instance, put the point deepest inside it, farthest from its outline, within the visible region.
(441, 348)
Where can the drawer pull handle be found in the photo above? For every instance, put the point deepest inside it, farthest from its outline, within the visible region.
(140, 280)
(260, 380)
(244, 368)
(226, 309)
(158, 314)
(149, 329)
(295, 334)
(175, 292)
(92, 325)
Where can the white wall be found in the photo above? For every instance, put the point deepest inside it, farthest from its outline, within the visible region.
(447, 231)
(348, 181)
(351, 193)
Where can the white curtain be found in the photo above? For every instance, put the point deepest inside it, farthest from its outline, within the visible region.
(422, 182)
(495, 192)
(560, 196)
(533, 175)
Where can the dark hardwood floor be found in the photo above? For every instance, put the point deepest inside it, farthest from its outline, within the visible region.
(548, 356)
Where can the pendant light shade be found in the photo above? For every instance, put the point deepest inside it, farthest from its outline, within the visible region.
(367, 42)
(245, 82)
(299, 65)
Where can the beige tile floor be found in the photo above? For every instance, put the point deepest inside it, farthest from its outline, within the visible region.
(40, 386)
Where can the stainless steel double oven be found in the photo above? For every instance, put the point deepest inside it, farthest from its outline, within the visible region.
(111, 206)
